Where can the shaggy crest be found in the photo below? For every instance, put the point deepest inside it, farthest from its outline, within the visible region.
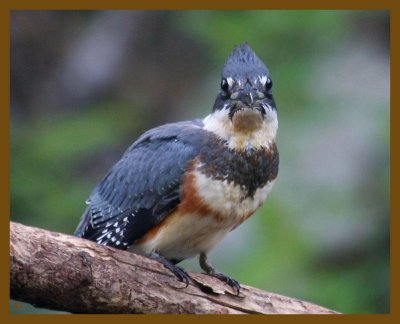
(243, 60)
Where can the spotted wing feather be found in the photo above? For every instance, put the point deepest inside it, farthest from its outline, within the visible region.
(143, 187)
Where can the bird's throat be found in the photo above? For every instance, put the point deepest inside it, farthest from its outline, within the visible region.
(247, 121)
(246, 129)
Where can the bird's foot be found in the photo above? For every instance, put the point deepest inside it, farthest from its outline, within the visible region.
(177, 271)
(212, 272)
(231, 282)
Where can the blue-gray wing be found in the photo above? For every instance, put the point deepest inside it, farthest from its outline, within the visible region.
(142, 188)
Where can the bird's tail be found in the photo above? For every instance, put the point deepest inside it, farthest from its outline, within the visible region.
(83, 224)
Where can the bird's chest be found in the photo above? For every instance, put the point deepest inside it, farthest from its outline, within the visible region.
(246, 170)
(219, 191)
(228, 185)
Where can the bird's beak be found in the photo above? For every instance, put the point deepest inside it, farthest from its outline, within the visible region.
(246, 95)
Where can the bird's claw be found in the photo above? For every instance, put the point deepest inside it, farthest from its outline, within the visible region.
(180, 274)
(177, 271)
(231, 282)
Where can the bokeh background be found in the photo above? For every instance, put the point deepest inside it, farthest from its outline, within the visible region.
(86, 84)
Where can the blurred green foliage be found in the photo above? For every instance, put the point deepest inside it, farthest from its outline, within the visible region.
(45, 156)
(323, 235)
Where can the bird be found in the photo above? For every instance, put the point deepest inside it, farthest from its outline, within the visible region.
(181, 187)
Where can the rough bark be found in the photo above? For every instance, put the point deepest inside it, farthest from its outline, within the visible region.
(62, 272)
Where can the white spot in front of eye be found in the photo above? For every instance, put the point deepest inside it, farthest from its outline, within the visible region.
(230, 81)
(263, 79)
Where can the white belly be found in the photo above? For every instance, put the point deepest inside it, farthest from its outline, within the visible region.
(184, 236)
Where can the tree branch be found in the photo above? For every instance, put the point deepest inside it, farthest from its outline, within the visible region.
(62, 272)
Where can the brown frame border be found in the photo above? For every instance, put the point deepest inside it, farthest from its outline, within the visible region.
(7, 5)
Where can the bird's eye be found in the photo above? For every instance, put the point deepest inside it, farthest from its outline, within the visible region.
(224, 84)
(268, 84)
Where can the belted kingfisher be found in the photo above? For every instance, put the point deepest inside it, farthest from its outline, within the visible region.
(181, 187)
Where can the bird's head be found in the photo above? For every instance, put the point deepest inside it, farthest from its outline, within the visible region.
(244, 107)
